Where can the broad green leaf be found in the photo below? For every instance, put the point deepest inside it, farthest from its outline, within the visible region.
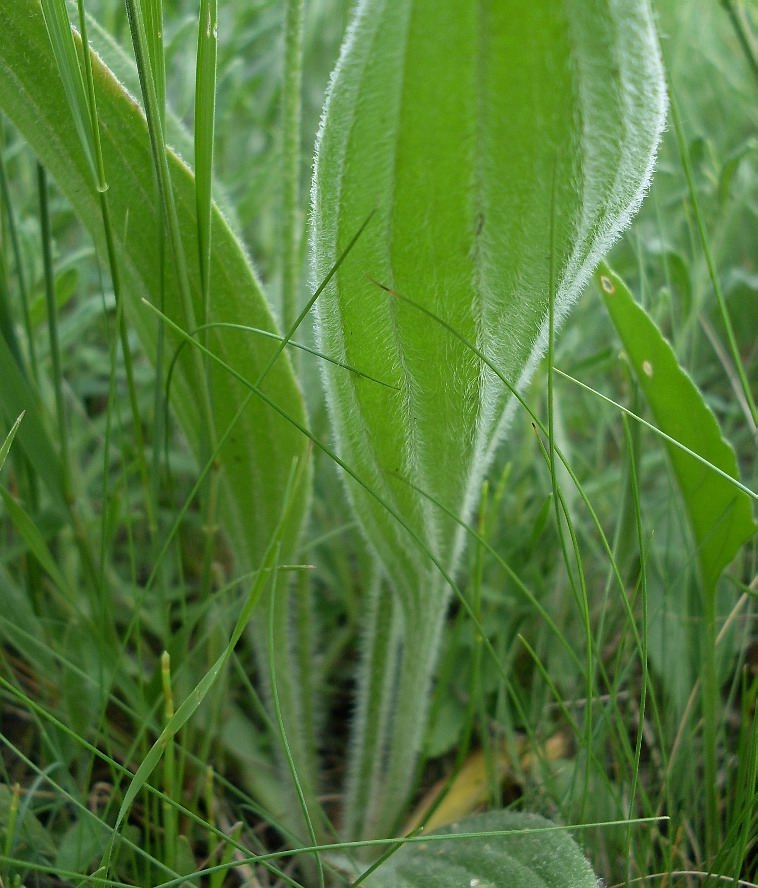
(259, 454)
(453, 120)
(720, 514)
(503, 147)
(533, 856)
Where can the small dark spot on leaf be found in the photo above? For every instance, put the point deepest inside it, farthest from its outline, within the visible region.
(607, 284)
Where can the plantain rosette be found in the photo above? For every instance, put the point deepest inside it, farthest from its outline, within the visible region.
(469, 128)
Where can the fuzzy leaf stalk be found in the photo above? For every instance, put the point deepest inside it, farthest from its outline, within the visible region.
(469, 129)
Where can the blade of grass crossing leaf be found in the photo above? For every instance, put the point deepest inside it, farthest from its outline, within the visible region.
(152, 11)
(291, 124)
(59, 29)
(52, 324)
(693, 454)
(6, 445)
(205, 115)
(19, 267)
(268, 335)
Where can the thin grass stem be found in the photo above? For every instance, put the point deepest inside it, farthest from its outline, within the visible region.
(291, 124)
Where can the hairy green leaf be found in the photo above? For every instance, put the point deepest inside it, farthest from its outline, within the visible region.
(503, 147)
(258, 456)
(468, 127)
(529, 857)
(720, 514)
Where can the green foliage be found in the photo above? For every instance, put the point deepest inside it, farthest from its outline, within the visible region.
(260, 447)
(209, 672)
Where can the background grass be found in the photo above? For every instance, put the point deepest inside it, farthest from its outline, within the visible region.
(83, 688)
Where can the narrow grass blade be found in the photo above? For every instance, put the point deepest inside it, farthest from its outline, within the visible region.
(59, 31)
(205, 117)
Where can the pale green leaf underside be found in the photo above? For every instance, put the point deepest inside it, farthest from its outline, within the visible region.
(720, 514)
(532, 860)
(259, 455)
(453, 120)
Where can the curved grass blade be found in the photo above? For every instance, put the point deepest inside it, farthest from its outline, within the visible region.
(6, 445)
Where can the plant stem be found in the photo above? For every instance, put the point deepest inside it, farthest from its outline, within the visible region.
(393, 702)
(376, 684)
(20, 275)
(744, 36)
(291, 125)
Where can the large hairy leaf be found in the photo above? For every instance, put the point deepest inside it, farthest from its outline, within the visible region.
(257, 459)
(501, 146)
(469, 128)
